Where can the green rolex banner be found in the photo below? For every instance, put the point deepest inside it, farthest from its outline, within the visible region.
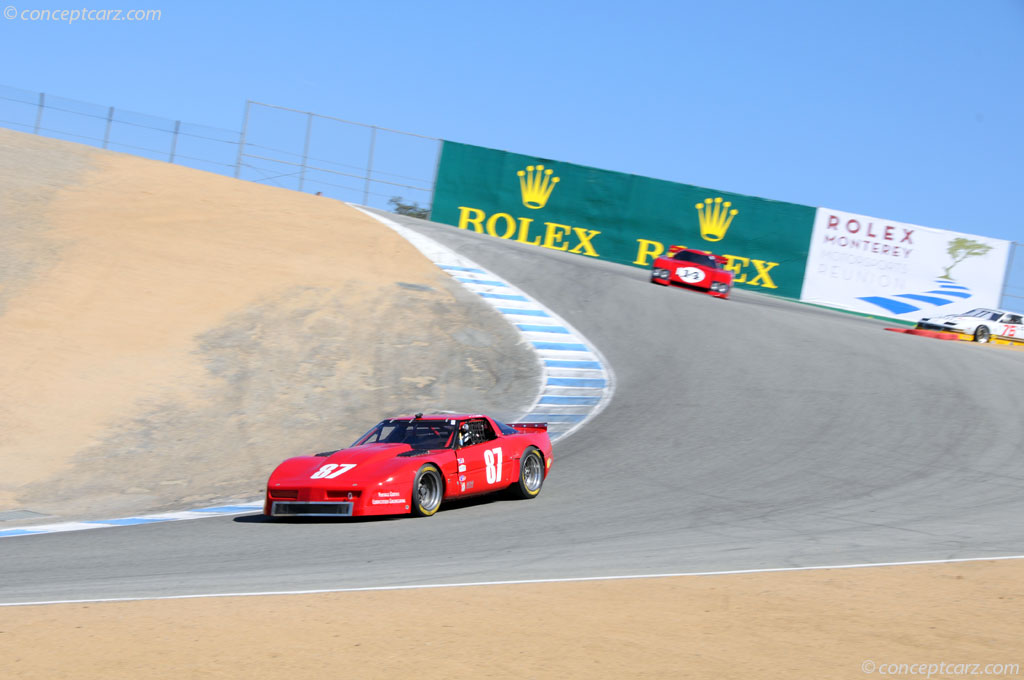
(620, 217)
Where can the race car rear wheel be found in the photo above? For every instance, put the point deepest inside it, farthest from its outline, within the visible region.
(427, 490)
(982, 334)
(531, 475)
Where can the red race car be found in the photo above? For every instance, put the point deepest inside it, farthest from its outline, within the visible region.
(696, 269)
(410, 464)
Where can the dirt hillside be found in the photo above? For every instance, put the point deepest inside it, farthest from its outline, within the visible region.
(169, 335)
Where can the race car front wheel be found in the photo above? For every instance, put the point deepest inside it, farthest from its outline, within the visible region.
(982, 334)
(531, 475)
(427, 490)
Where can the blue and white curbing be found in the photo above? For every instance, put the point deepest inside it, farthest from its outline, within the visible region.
(215, 511)
(576, 381)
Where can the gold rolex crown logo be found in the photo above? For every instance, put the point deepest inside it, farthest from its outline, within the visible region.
(536, 185)
(715, 218)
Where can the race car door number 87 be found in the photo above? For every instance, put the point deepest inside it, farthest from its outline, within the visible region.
(332, 470)
(492, 459)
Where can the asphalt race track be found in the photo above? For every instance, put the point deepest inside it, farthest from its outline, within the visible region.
(743, 434)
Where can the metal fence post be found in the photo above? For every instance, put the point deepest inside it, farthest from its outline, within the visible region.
(369, 166)
(39, 113)
(106, 133)
(241, 139)
(174, 140)
(305, 150)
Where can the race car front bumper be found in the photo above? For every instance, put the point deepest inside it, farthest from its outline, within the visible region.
(308, 509)
(714, 288)
(324, 501)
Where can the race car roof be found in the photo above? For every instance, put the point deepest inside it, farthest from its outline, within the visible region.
(437, 416)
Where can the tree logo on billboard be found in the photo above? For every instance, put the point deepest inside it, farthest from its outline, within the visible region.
(536, 185)
(960, 249)
(715, 218)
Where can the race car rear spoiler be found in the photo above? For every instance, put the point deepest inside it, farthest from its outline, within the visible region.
(527, 428)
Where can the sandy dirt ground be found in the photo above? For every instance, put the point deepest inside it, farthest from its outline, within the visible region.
(844, 623)
(170, 335)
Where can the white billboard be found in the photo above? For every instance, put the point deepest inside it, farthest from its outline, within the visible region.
(905, 271)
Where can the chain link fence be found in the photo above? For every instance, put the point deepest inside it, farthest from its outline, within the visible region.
(355, 162)
(297, 150)
(198, 146)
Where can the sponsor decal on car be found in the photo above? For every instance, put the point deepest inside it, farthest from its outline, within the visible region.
(388, 498)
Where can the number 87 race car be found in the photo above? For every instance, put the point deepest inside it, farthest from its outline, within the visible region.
(410, 464)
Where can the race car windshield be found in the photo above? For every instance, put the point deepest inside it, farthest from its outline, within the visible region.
(696, 258)
(420, 434)
(986, 314)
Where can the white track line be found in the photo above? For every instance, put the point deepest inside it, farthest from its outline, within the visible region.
(580, 579)
(576, 381)
(199, 513)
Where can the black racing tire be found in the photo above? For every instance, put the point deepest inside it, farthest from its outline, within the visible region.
(982, 334)
(427, 491)
(531, 475)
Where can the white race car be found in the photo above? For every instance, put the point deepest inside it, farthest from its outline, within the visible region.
(980, 324)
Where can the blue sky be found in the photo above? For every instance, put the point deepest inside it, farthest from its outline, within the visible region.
(909, 110)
